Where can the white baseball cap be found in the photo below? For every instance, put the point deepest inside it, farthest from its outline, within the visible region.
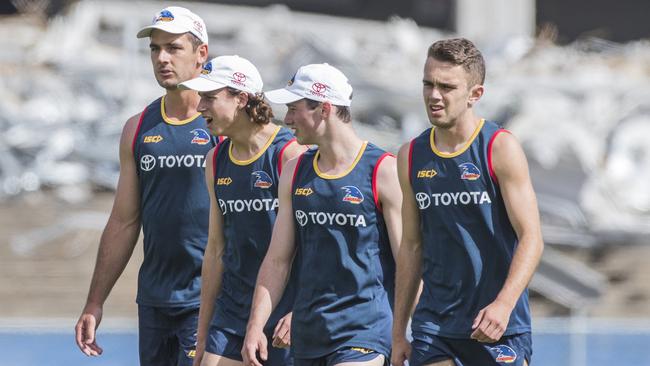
(319, 82)
(176, 20)
(233, 71)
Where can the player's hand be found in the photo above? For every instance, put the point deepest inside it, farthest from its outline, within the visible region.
(491, 322)
(85, 334)
(254, 343)
(200, 350)
(401, 351)
(282, 332)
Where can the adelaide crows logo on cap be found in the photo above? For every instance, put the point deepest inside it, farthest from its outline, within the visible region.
(164, 16)
(469, 171)
(352, 195)
(201, 137)
(504, 354)
(207, 68)
(261, 179)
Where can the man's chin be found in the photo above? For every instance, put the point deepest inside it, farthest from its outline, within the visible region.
(438, 123)
(168, 84)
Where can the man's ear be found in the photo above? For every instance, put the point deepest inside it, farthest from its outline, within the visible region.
(242, 100)
(203, 53)
(475, 93)
(326, 109)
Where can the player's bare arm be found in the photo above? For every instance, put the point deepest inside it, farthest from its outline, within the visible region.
(511, 170)
(282, 330)
(409, 262)
(274, 272)
(212, 268)
(390, 199)
(116, 244)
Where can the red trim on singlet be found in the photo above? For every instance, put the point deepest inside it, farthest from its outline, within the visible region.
(282, 153)
(375, 193)
(295, 172)
(411, 158)
(489, 154)
(214, 157)
(137, 130)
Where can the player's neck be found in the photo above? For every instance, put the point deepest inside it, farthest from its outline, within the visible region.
(181, 104)
(449, 140)
(251, 139)
(339, 149)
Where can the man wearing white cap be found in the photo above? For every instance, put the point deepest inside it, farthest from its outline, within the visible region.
(161, 188)
(340, 210)
(242, 175)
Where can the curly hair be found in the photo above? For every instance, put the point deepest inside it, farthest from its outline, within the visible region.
(257, 108)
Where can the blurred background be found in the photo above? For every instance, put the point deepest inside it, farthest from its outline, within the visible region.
(570, 78)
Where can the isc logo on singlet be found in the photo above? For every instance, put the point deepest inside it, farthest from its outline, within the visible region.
(152, 139)
(303, 191)
(429, 173)
(224, 181)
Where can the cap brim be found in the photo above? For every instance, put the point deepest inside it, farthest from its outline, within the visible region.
(169, 28)
(282, 96)
(201, 84)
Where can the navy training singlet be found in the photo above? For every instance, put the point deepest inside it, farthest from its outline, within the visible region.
(467, 239)
(343, 242)
(174, 206)
(247, 193)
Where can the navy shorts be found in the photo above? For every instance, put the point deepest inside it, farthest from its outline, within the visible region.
(509, 350)
(228, 345)
(348, 354)
(167, 336)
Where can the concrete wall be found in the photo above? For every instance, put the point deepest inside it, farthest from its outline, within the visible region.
(494, 20)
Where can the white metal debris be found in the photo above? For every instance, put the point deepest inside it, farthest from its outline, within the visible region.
(581, 111)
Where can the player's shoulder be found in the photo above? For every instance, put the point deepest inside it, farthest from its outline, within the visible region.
(404, 152)
(130, 129)
(291, 164)
(503, 140)
(404, 148)
(386, 168)
(133, 121)
(506, 155)
(211, 152)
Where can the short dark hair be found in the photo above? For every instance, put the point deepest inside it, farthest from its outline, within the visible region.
(462, 52)
(342, 112)
(196, 42)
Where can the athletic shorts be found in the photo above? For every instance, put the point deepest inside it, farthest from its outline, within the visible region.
(167, 337)
(509, 350)
(348, 354)
(228, 345)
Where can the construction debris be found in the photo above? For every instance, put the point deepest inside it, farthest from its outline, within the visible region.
(582, 111)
